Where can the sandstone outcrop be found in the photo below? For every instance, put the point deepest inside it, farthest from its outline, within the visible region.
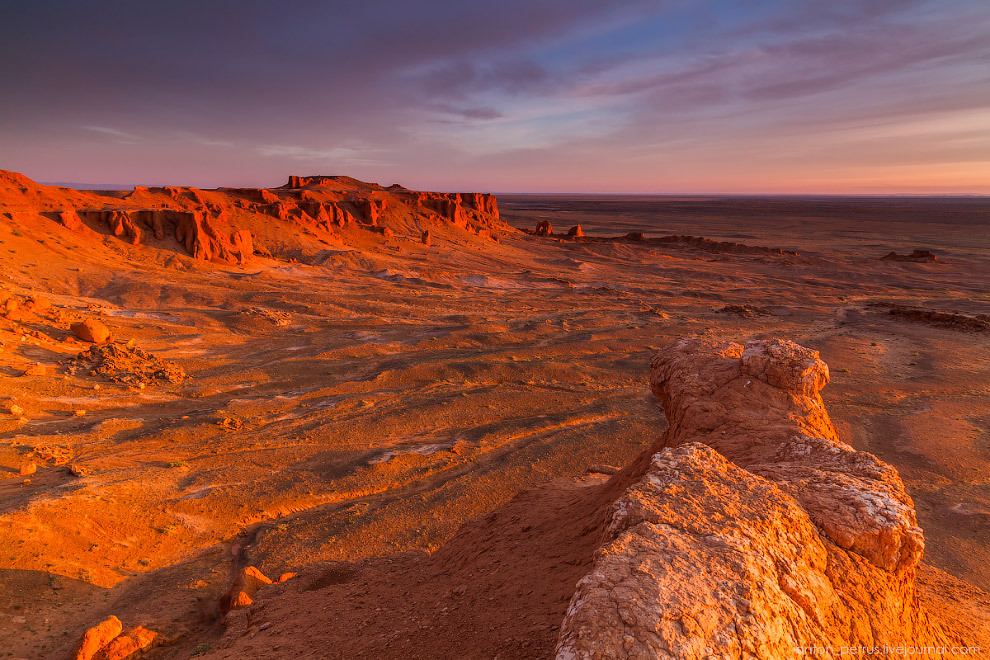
(918, 256)
(127, 644)
(232, 225)
(698, 243)
(458, 209)
(204, 236)
(937, 318)
(750, 530)
(244, 586)
(107, 641)
(97, 637)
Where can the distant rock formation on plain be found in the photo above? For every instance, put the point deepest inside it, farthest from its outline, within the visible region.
(233, 225)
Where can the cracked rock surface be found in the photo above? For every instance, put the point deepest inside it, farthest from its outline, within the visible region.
(752, 530)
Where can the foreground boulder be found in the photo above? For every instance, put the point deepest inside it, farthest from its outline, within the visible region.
(107, 641)
(127, 644)
(752, 531)
(97, 637)
(91, 330)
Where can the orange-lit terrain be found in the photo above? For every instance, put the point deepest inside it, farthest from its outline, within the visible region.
(419, 404)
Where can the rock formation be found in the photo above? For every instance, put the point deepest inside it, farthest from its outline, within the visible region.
(244, 586)
(107, 641)
(919, 256)
(752, 531)
(92, 331)
(97, 637)
(231, 225)
(203, 236)
(699, 243)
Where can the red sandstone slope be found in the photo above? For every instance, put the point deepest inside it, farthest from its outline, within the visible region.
(231, 225)
(748, 530)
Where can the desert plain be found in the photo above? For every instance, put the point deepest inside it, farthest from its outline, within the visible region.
(375, 400)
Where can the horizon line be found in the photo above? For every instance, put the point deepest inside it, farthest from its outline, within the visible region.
(77, 185)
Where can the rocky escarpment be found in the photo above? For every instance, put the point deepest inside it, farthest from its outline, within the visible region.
(231, 225)
(752, 531)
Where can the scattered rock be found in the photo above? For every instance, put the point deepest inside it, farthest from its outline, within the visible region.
(425, 238)
(635, 236)
(602, 469)
(285, 576)
(39, 304)
(97, 637)
(126, 366)
(77, 470)
(16, 410)
(279, 318)
(53, 454)
(28, 468)
(575, 232)
(92, 331)
(36, 369)
(544, 228)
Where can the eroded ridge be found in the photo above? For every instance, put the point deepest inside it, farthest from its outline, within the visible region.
(753, 531)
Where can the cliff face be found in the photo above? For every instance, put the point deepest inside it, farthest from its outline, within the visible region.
(752, 531)
(230, 225)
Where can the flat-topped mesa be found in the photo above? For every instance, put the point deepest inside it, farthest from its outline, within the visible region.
(749, 530)
(463, 210)
(319, 181)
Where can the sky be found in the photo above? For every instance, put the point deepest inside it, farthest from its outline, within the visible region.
(593, 96)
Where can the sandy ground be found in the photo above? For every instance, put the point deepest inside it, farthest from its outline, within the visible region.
(373, 403)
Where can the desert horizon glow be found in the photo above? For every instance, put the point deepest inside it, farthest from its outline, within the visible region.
(883, 97)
